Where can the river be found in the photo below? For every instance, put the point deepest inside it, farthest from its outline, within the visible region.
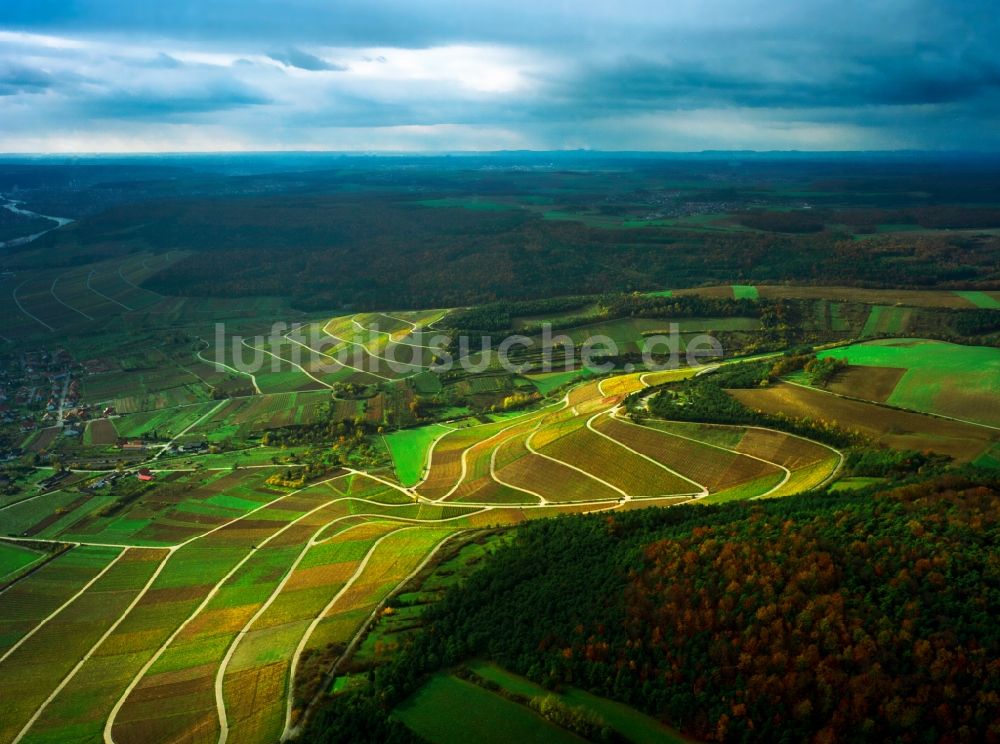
(12, 206)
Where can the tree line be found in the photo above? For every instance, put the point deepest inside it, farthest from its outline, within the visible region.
(820, 617)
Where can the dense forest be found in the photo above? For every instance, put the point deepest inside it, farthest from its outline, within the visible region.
(387, 254)
(365, 252)
(361, 233)
(822, 617)
(499, 317)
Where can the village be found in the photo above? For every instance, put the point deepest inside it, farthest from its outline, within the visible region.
(39, 400)
(43, 422)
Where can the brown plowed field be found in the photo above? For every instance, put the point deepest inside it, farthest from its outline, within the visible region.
(897, 429)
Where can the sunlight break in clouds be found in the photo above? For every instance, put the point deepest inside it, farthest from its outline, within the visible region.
(382, 74)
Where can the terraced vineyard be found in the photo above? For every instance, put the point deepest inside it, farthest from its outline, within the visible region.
(212, 610)
(216, 604)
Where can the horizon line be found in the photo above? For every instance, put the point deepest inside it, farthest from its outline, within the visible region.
(523, 151)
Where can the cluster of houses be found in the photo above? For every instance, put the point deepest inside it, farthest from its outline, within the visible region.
(54, 480)
(139, 445)
(72, 398)
(10, 454)
(143, 474)
(192, 448)
(32, 386)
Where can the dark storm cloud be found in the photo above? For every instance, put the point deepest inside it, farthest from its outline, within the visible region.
(140, 104)
(791, 82)
(19, 78)
(338, 23)
(165, 61)
(293, 57)
(751, 73)
(16, 78)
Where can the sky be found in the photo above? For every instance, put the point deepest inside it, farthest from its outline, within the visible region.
(446, 75)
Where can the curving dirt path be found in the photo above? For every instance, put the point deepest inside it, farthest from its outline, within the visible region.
(226, 367)
(52, 291)
(52, 615)
(297, 654)
(302, 369)
(86, 657)
(21, 307)
(97, 292)
(702, 489)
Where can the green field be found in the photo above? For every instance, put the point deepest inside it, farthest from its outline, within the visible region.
(745, 292)
(409, 449)
(482, 205)
(546, 382)
(15, 557)
(439, 712)
(312, 543)
(426, 383)
(874, 318)
(886, 320)
(250, 456)
(164, 422)
(852, 484)
(942, 378)
(750, 490)
(237, 536)
(27, 514)
(989, 459)
(630, 723)
(980, 299)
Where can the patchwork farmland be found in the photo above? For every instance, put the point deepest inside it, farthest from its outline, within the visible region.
(214, 599)
(251, 492)
(211, 607)
(895, 428)
(927, 376)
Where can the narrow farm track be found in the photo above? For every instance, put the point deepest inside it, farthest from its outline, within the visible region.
(97, 292)
(137, 679)
(128, 281)
(465, 460)
(542, 501)
(597, 401)
(226, 367)
(313, 541)
(379, 516)
(430, 455)
(359, 635)
(302, 369)
(297, 654)
(381, 531)
(171, 551)
(69, 677)
(784, 480)
(62, 607)
(52, 291)
(397, 342)
(597, 479)
(366, 350)
(25, 312)
(463, 457)
(211, 412)
(333, 359)
(220, 675)
(702, 490)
